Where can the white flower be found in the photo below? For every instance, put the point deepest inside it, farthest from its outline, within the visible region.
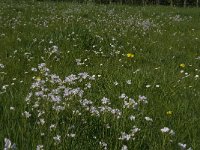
(52, 126)
(54, 49)
(148, 119)
(79, 63)
(172, 132)
(142, 99)
(71, 135)
(34, 69)
(186, 73)
(165, 129)
(8, 145)
(42, 134)
(157, 85)
(116, 83)
(105, 100)
(123, 96)
(104, 145)
(148, 86)
(183, 146)
(41, 121)
(132, 118)
(40, 147)
(4, 87)
(26, 114)
(125, 136)
(2, 66)
(12, 108)
(124, 147)
(134, 130)
(128, 81)
(57, 138)
(88, 85)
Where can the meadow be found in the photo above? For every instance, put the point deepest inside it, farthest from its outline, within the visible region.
(86, 76)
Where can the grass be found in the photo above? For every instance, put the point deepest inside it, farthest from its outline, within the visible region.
(70, 39)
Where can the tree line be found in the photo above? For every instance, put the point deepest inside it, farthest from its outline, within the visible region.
(183, 3)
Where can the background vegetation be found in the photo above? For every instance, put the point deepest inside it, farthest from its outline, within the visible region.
(183, 3)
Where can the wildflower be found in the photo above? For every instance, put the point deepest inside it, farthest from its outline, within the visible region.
(183, 146)
(132, 118)
(123, 96)
(104, 145)
(157, 86)
(57, 138)
(172, 132)
(26, 114)
(165, 130)
(134, 130)
(142, 99)
(124, 147)
(52, 126)
(128, 81)
(39, 147)
(105, 100)
(41, 121)
(88, 86)
(182, 65)
(71, 135)
(148, 119)
(42, 134)
(148, 86)
(8, 145)
(130, 55)
(125, 136)
(4, 87)
(116, 83)
(169, 113)
(12, 108)
(2, 66)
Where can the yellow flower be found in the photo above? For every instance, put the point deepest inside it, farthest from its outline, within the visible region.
(130, 55)
(182, 65)
(169, 113)
(38, 78)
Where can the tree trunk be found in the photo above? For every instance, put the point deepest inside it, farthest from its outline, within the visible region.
(185, 3)
(197, 3)
(132, 2)
(158, 2)
(171, 3)
(143, 2)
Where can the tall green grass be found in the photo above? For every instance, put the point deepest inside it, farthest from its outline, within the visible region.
(161, 38)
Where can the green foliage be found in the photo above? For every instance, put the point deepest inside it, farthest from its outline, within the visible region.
(46, 45)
